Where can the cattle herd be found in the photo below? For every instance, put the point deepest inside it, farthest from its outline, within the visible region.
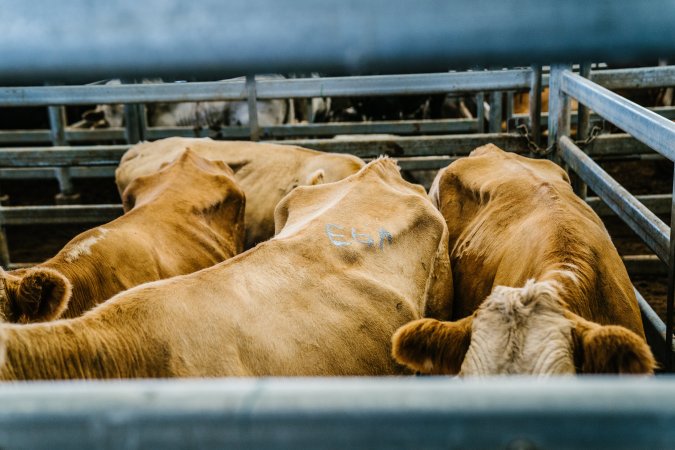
(251, 259)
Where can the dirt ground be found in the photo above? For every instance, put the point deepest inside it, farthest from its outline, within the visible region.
(641, 177)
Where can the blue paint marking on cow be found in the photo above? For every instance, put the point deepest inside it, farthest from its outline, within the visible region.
(362, 238)
(332, 236)
(384, 234)
(339, 239)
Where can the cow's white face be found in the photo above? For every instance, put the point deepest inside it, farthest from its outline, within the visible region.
(114, 115)
(270, 113)
(521, 331)
(526, 331)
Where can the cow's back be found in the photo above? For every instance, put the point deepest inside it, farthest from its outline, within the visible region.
(352, 261)
(512, 219)
(266, 172)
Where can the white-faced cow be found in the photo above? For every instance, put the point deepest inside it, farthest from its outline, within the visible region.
(266, 172)
(186, 217)
(350, 263)
(539, 286)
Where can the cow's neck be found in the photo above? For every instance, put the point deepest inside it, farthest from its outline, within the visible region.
(88, 290)
(62, 350)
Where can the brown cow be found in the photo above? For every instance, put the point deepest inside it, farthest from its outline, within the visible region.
(266, 172)
(183, 218)
(351, 262)
(539, 286)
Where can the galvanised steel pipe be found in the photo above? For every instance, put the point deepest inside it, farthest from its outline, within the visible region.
(646, 126)
(373, 413)
(630, 78)
(97, 155)
(59, 214)
(652, 318)
(635, 78)
(380, 85)
(369, 146)
(48, 173)
(44, 40)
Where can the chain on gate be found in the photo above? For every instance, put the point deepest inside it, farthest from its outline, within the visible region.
(592, 135)
(532, 145)
(541, 152)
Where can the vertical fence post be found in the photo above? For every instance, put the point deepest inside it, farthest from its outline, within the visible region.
(559, 109)
(252, 108)
(583, 126)
(308, 109)
(57, 120)
(132, 121)
(57, 124)
(132, 129)
(143, 120)
(480, 112)
(496, 111)
(509, 109)
(668, 357)
(535, 104)
(4, 247)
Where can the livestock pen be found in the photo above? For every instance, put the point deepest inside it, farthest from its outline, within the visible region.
(415, 412)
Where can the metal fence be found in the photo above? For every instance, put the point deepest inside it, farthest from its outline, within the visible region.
(319, 413)
(655, 131)
(208, 37)
(73, 155)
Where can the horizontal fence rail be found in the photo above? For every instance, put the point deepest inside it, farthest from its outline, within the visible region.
(630, 78)
(364, 146)
(635, 78)
(355, 86)
(456, 145)
(92, 155)
(406, 413)
(61, 214)
(49, 172)
(172, 37)
(450, 83)
(441, 83)
(402, 127)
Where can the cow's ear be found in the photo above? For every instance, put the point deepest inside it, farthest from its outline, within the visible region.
(315, 177)
(131, 192)
(610, 349)
(432, 346)
(43, 294)
(128, 201)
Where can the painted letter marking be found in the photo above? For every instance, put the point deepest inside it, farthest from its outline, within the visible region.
(362, 238)
(384, 234)
(334, 236)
